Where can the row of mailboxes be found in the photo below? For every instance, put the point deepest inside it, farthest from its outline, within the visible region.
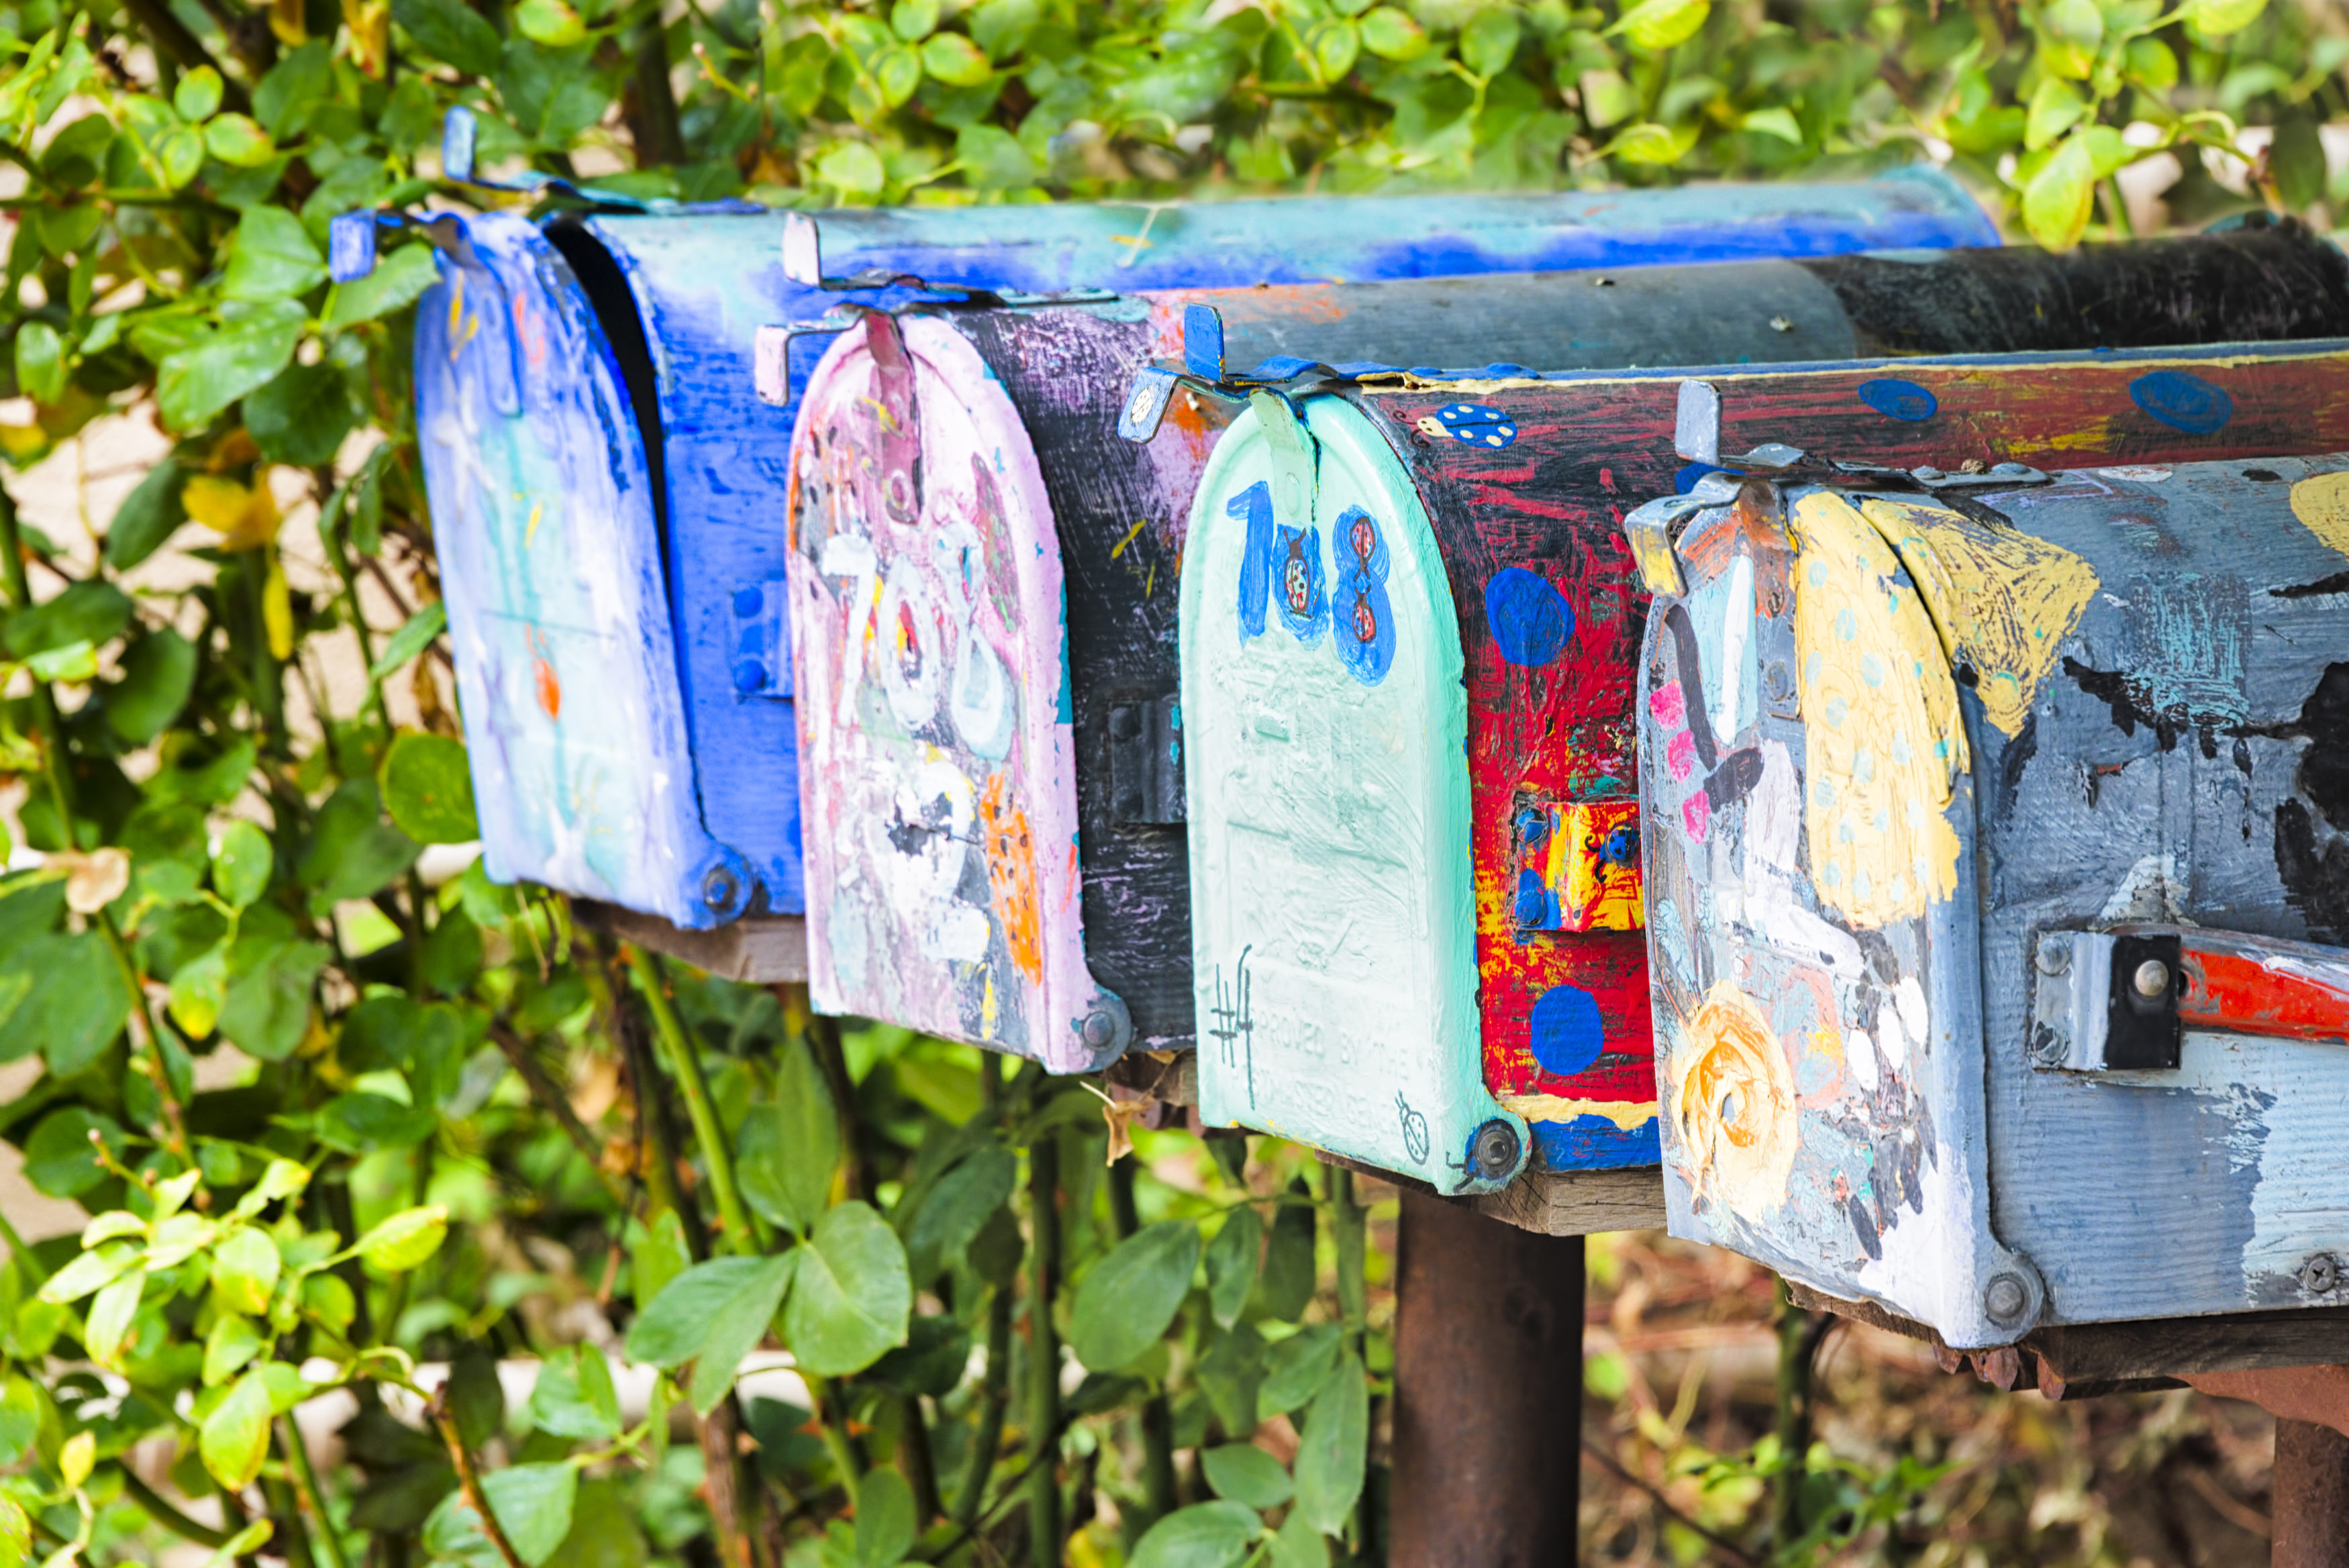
(986, 607)
(626, 670)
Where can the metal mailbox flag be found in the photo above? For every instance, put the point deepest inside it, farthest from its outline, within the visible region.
(1456, 1071)
(1996, 846)
(669, 301)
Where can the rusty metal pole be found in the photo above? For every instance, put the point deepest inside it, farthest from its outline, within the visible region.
(1489, 1392)
(2310, 1496)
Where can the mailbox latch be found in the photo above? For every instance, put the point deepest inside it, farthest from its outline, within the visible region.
(1578, 864)
(2121, 1000)
(1145, 762)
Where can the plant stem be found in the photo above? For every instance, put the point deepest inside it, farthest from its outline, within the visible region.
(556, 1104)
(1043, 1351)
(994, 1397)
(468, 1478)
(1800, 1333)
(21, 1254)
(290, 1538)
(744, 1232)
(151, 1502)
(823, 1038)
(1157, 1419)
(914, 1459)
(306, 1487)
(1350, 1229)
(606, 986)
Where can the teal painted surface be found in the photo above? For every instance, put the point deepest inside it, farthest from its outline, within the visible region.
(1333, 920)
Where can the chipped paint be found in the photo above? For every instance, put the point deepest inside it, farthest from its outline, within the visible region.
(926, 602)
(2321, 501)
(2002, 600)
(1880, 723)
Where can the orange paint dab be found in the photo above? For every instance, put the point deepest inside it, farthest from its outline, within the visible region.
(550, 690)
(1012, 877)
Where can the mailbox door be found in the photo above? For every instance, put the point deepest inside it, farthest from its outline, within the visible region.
(1325, 731)
(939, 790)
(551, 568)
(1811, 922)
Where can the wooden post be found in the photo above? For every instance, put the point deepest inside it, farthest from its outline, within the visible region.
(1489, 1392)
(2310, 1496)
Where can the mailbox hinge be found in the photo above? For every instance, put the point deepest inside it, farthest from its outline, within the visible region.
(2121, 1000)
(1145, 762)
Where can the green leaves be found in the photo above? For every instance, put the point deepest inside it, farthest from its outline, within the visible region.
(248, 351)
(40, 361)
(397, 282)
(147, 516)
(427, 788)
(245, 1271)
(452, 32)
(405, 1241)
(1232, 1259)
(534, 1504)
(2057, 201)
(885, 1526)
(1204, 1535)
(853, 1297)
(574, 1398)
(1130, 1296)
(235, 1439)
(1334, 1449)
(2217, 18)
(790, 1147)
(1245, 1474)
(713, 1315)
(1658, 24)
(243, 860)
(270, 257)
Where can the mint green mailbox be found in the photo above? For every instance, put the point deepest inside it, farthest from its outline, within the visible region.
(1325, 731)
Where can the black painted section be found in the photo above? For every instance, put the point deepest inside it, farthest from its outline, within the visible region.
(2253, 285)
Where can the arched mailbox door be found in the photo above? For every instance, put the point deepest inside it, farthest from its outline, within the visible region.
(1995, 853)
(551, 568)
(941, 784)
(1525, 484)
(1333, 956)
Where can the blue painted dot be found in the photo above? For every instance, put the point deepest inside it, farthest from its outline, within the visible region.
(1532, 899)
(1897, 400)
(1565, 1036)
(748, 602)
(1685, 480)
(1530, 620)
(2183, 402)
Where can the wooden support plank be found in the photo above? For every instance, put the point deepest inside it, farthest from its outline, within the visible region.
(2073, 1358)
(763, 950)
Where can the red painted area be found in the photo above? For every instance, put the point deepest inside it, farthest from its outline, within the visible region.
(2285, 991)
(1553, 502)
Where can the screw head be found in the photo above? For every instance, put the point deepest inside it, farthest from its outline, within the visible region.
(2050, 1045)
(2005, 1297)
(1099, 1028)
(749, 674)
(2320, 1275)
(718, 888)
(1493, 1153)
(2151, 979)
(2054, 955)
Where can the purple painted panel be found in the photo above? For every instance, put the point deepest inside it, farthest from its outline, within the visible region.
(937, 779)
